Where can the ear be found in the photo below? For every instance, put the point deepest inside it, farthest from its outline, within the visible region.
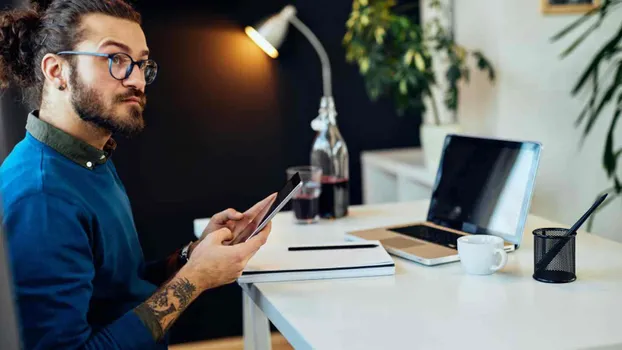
(52, 67)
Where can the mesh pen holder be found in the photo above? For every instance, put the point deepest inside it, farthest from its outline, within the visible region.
(561, 268)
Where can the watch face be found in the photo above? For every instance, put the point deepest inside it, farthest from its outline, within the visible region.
(184, 253)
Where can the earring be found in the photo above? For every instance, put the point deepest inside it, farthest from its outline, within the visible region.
(61, 87)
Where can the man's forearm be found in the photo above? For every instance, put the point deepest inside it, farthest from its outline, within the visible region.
(160, 311)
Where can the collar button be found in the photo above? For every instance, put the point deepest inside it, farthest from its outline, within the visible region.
(89, 164)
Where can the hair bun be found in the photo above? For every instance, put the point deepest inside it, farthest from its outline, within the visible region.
(40, 5)
(18, 29)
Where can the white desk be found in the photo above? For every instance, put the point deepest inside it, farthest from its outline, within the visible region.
(439, 307)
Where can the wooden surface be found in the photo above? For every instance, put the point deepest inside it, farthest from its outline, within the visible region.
(549, 8)
(234, 343)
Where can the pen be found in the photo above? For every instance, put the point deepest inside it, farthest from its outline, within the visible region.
(331, 247)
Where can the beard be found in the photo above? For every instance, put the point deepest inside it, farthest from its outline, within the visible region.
(90, 107)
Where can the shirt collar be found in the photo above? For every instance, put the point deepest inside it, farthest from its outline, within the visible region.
(76, 150)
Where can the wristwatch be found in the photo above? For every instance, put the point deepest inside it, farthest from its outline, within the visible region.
(185, 253)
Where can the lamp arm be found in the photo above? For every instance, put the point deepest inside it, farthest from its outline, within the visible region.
(326, 78)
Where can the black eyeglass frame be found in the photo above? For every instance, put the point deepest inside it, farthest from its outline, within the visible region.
(111, 56)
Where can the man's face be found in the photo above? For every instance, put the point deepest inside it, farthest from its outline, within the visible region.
(97, 97)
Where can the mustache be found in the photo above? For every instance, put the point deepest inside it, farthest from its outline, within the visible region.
(133, 93)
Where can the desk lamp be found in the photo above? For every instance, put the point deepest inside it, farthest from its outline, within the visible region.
(269, 36)
(329, 150)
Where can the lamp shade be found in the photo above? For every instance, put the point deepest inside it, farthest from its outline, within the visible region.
(269, 34)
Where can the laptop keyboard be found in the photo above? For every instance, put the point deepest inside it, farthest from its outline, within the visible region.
(430, 234)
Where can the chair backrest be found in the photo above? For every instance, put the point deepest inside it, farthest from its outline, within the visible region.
(9, 333)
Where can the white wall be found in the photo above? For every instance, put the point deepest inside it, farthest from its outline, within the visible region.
(531, 100)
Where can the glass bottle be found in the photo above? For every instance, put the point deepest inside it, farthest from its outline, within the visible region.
(329, 152)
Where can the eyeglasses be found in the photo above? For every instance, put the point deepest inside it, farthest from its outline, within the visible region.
(121, 64)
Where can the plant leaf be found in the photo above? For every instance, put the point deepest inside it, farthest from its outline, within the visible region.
(606, 98)
(609, 199)
(466, 74)
(583, 114)
(491, 73)
(580, 39)
(609, 158)
(574, 24)
(590, 105)
(484, 64)
(453, 74)
(607, 50)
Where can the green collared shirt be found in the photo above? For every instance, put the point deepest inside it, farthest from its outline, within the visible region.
(77, 150)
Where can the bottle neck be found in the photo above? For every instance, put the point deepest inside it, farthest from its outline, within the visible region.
(327, 114)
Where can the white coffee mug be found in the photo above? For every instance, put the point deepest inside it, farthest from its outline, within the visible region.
(481, 254)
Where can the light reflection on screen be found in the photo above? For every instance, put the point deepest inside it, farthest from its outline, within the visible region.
(484, 186)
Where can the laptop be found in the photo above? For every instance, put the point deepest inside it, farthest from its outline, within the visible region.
(482, 186)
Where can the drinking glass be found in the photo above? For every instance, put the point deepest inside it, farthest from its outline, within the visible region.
(305, 203)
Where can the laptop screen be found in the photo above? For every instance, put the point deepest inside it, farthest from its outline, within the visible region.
(484, 186)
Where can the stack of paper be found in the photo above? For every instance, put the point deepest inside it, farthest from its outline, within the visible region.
(328, 260)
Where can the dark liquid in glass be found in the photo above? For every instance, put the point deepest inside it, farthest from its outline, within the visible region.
(305, 207)
(335, 197)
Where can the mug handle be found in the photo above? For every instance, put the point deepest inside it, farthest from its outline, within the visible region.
(504, 259)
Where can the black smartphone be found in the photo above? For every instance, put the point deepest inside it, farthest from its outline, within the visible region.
(269, 210)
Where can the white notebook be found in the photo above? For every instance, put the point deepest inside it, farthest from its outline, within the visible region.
(341, 259)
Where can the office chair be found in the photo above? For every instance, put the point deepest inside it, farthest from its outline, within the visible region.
(9, 333)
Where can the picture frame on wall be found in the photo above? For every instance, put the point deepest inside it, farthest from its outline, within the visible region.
(568, 6)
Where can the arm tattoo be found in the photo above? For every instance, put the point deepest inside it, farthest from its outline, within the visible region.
(184, 292)
(160, 311)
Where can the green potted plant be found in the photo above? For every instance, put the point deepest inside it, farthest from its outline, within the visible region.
(419, 66)
(602, 79)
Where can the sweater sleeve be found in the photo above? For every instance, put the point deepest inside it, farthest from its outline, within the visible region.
(160, 271)
(53, 270)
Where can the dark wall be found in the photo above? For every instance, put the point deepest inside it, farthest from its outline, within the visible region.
(224, 121)
(13, 114)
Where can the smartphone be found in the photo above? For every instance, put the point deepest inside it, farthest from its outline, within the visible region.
(266, 213)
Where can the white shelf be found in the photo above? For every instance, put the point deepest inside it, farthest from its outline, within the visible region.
(395, 175)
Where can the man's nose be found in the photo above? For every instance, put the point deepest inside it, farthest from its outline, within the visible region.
(136, 79)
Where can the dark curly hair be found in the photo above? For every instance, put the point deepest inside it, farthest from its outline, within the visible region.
(48, 26)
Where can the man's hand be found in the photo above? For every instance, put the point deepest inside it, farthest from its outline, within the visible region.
(232, 220)
(225, 219)
(214, 263)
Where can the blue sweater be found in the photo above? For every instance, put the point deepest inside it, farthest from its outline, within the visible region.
(77, 264)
